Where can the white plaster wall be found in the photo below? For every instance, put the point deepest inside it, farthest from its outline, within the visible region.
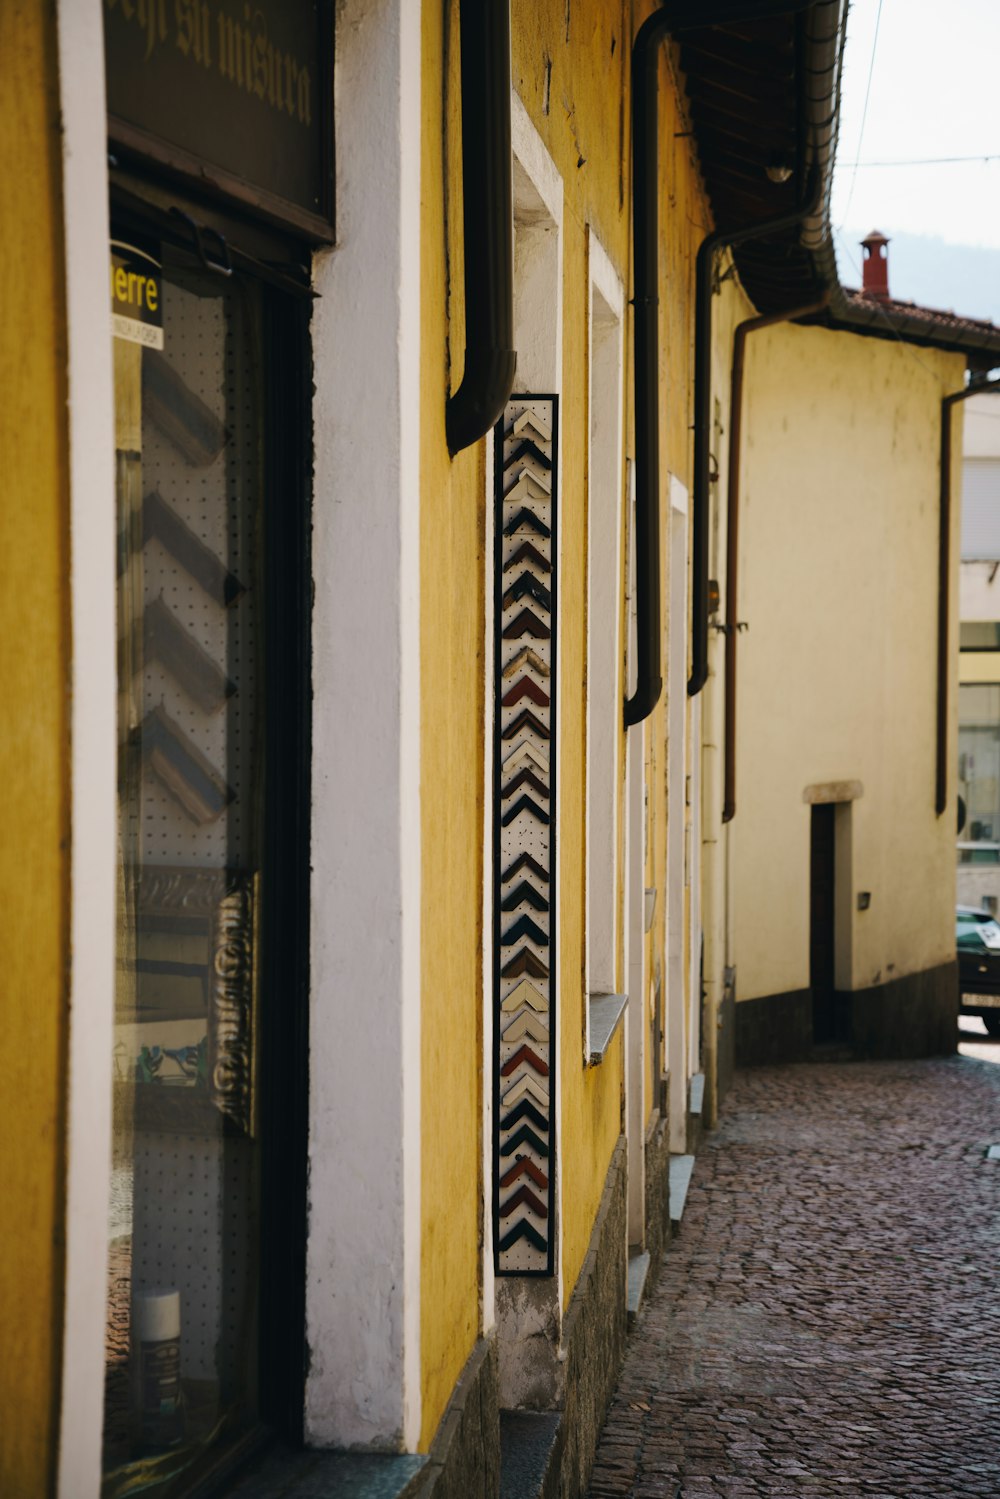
(94, 742)
(538, 212)
(711, 883)
(675, 1009)
(636, 1029)
(980, 437)
(604, 570)
(838, 667)
(363, 1273)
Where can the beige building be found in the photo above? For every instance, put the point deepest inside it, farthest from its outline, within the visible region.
(842, 850)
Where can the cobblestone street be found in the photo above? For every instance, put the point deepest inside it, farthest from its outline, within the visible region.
(827, 1322)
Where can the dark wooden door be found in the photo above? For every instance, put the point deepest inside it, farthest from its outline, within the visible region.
(821, 923)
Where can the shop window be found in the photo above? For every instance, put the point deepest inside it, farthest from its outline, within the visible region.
(979, 635)
(212, 768)
(979, 765)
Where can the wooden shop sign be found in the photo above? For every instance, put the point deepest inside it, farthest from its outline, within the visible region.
(231, 95)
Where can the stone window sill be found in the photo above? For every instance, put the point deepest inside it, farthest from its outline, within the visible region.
(606, 1011)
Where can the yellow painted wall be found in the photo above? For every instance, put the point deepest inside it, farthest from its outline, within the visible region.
(571, 70)
(837, 670)
(729, 308)
(685, 220)
(34, 770)
(567, 68)
(452, 758)
(578, 59)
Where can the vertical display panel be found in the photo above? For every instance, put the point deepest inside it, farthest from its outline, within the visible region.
(198, 490)
(524, 834)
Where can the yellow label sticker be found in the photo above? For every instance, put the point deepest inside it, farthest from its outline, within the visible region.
(136, 295)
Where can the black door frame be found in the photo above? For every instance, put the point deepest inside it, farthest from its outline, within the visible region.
(286, 663)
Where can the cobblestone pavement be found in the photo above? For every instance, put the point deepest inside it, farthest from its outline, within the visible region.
(827, 1322)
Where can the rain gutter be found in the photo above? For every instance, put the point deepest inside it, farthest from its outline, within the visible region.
(488, 216)
(824, 26)
(732, 625)
(673, 17)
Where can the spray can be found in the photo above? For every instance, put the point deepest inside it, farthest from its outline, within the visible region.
(156, 1366)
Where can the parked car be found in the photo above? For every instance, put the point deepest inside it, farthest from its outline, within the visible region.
(979, 965)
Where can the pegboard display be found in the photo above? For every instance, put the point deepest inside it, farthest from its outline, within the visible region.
(198, 648)
(524, 775)
(186, 1212)
(193, 1203)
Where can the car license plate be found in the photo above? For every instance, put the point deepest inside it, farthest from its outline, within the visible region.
(982, 1001)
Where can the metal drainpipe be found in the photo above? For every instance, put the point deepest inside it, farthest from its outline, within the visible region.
(703, 414)
(731, 626)
(984, 387)
(675, 15)
(488, 214)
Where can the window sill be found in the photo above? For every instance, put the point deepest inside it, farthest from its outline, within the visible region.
(353, 1475)
(606, 1011)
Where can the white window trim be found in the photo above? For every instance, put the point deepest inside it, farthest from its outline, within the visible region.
(604, 640)
(675, 1009)
(94, 742)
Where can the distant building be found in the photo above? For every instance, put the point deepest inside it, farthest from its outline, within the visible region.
(979, 663)
(843, 849)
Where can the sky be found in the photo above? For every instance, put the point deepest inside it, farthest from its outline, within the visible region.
(934, 76)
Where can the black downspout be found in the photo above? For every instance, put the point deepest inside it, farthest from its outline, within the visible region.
(704, 276)
(674, 16)
(488, 218)
(976, 388)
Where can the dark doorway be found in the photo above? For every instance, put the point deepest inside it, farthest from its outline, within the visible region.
(825, 1009)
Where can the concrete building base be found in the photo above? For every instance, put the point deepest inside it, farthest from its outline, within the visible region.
(775, 1028)
(915, 1016)
(591, 1352)
(725, 1059)
(465, 1455)
(912, 1016)
(657, 1194)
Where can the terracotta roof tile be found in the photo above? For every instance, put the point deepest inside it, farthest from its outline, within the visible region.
(932, 316)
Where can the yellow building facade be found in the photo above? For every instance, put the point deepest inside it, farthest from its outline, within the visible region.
(380, 931)
(414, 1256)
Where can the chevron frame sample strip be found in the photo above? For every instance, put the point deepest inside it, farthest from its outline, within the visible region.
(526, 777)
(525, 1195)
(525, 758)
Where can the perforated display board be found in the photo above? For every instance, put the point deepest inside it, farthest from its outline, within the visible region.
(525, 759)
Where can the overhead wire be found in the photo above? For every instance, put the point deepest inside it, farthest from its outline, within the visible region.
(864, 112)
(921, 161)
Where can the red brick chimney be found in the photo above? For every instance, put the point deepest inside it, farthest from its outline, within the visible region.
(876, 266)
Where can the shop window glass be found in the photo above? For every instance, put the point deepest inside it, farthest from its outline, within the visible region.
(979, 635)
(182, 1324)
